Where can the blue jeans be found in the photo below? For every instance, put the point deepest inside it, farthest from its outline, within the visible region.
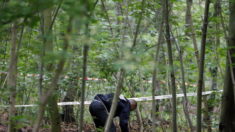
(100, 115)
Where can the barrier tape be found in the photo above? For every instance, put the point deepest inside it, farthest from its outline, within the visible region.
(87, 78)
(99, 79)
(139, 99)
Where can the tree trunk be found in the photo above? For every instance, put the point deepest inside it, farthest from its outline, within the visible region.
(12, 78)
(211, 97)
(68, 112)
(85, 55)
(139, 118)
(185, 100)
(227, 109)
(53, 85)
(48, 47)
(107, 17)
(132, 89)
(138, 25)
(227, 119)
(51, 90)
(191, 32)
(171, 65)
(214, 69)
(115, 100)
(154, 78)
(190, 28)
(201, 68)
(54, 113)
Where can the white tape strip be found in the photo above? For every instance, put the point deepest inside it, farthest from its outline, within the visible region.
(37, 75)
(139, 99)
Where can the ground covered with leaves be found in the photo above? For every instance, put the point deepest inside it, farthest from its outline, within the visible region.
(88, 127)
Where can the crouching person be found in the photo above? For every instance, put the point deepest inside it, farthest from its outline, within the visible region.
(100, 108)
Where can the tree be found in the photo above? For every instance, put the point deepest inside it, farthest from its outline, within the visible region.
(171, 66)
(227, 118)
(48, 48)
(12, 76)
(183, 85)
(130, 51)
(156, 63)
(201, 66)
(52, 87)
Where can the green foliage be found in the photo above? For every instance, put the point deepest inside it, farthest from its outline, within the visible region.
(23, 9)
(110, 43)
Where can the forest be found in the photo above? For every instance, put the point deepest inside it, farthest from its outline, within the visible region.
(174, 58)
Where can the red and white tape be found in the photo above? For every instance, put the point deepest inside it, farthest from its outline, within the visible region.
(138, 99)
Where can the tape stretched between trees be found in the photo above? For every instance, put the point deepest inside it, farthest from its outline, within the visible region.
(138, 99)
(98, 79)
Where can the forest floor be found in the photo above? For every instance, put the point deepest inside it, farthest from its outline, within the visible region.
(88, 127)
(163, 125)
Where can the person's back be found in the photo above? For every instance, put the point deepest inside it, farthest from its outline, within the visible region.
(106, 99)
(101, 105)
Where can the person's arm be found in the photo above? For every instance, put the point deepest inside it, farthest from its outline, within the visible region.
(124, 117)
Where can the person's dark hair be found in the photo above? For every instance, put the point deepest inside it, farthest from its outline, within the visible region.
(133, 104)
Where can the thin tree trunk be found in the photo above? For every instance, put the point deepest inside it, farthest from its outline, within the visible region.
(138, 25)
(154, 78)
(192, 34)
(191, 30)
(85, 55)
(4, 60)
(46, 25)
(223, 25)
(41, 65)
(107, 17)
(48, 47)
(217, 8)
(211, 104)
(12, 78)
(12, 74)
(122, 71)
(115, 100)
(139, 118)
(51, 90)
(53, 86)
(171, 65)
(138, 114)
(110, 25)
(201, 68)
(88, 13)
(185, 101)
(213, 69)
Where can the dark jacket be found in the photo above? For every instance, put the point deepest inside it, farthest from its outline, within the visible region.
(122, 111)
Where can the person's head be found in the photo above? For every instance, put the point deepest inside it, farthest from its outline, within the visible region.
(133, 104)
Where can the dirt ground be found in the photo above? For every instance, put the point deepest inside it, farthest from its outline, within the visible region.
(134, 127)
